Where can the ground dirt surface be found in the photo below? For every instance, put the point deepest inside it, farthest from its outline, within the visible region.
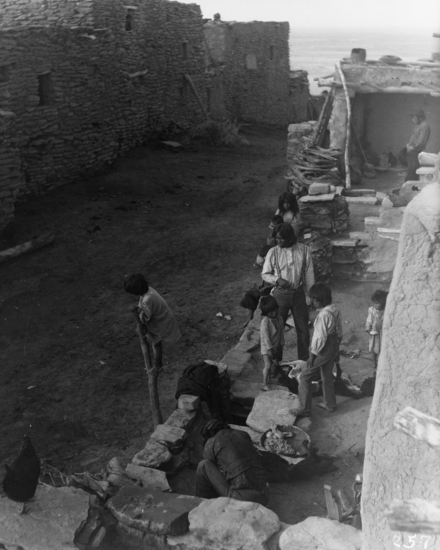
(72, 373)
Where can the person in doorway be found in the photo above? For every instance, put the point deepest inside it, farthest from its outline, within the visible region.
(271, 335)
(416, 144)
(374, 323)
(324, 348)
(289, 267)
(231, 467)
(155, 314)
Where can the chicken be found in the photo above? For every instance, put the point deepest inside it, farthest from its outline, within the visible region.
(21, 479)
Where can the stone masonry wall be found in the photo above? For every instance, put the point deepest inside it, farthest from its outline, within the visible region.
(254, 60)
(397, 466)
(73, 98)
(15, 13)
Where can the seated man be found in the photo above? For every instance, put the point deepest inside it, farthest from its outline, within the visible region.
(416, 144)
(232, 467)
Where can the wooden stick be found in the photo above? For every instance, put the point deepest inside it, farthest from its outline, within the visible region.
(152, 371)
(415, 515)
(24, 248)
(347, 141)
(196, 95)
(419, 426)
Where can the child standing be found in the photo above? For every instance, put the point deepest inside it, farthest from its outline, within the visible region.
(324, 348)
(271, 335)
(374, 323)
(155, 314)
(289, 209)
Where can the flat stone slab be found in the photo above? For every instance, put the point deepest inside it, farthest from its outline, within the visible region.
(153, 511)
(245, 392)
(320, 534)
(181, 418)
(150, 478)
(54, 515)
(230, 524)
(250, 339)
(273, 407)
(236, 360)
(188, 402)
(172, 438)
(152, 455)
(362, 200)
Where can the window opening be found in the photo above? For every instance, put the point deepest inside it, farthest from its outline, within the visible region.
(184, 50)
(271, 52)
(45, 89)
(4, 73)
(129, 21)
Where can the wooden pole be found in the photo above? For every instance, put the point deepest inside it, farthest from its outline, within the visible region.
(151, 369)
(347, 139)
(196, 95)
(27, 247)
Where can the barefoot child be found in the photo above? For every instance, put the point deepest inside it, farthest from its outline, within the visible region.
(374, 323)
(324, 348)
(288, 208)
(271, 335)
(155, 314)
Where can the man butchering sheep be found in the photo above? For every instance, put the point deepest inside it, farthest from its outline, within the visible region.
(232, 467)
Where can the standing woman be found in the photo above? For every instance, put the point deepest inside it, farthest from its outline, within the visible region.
(327, 336)
(289, 209)
(289, 267)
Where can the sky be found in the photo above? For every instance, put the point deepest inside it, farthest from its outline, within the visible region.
(329, 13)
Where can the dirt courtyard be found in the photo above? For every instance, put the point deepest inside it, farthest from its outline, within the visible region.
(72, 373)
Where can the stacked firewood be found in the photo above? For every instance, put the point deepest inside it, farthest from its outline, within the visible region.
(326, 217)
(311, 164)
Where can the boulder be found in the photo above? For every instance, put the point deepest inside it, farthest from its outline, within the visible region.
(188, 402)
(54, 516)
(181, 418)
(153, 511)
(150, 478)
(229, 524)
(152, 455)
(273, 407)
(320, 534)
(172, 438)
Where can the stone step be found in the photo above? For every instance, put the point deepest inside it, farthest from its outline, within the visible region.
(359, 192)
(244, 392)
(362, 200)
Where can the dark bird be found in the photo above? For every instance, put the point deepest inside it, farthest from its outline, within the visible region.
(21, 479)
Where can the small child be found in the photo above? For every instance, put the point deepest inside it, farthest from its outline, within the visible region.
(374, 323)
(324, 348)
(271, 241)
(271, 335)
(155, 314)
(289, 209)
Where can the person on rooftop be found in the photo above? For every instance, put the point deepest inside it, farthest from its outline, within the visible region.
(417, 142)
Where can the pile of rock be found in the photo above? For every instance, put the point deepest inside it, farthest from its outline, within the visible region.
(322, 255)
(326, 213)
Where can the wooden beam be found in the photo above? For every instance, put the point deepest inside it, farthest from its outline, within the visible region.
(419, 426)
(24, 248)
(415, 516)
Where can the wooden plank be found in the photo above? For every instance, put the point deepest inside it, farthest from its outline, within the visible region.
(333, 509)
(27, 247)
(415, 516)
(419, 426)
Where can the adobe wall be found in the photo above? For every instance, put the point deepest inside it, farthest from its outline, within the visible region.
(75, 98)
(254, 59)
(397, 466)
